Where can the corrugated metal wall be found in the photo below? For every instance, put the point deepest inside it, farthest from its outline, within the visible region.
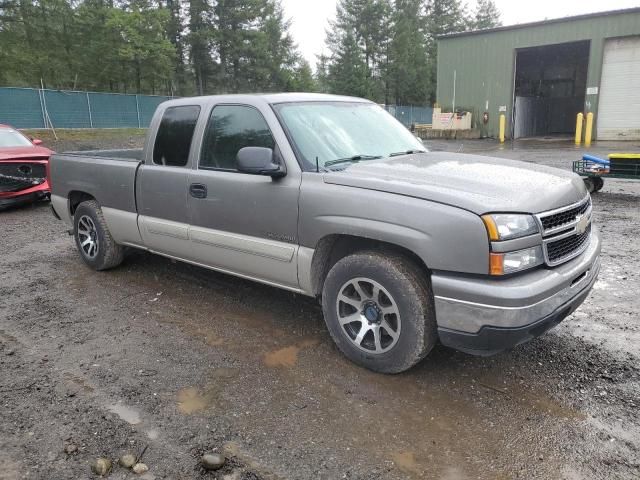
(484, 62)
(27, 108)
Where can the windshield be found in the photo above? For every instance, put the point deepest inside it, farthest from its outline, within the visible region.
(11, 138)
(337, 132)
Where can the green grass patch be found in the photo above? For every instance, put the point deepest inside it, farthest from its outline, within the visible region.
(85, 134)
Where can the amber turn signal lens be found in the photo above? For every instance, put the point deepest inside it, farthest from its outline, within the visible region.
(496, 263)
(492, 228)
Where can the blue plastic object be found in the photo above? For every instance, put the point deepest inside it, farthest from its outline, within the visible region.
(591, 158)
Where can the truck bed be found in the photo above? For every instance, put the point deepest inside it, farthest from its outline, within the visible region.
(107, 175)
(127, 154)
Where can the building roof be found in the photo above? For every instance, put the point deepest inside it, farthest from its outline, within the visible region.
(541, 23)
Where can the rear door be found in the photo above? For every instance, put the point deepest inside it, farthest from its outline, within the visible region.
(163, 183)
(242, 223)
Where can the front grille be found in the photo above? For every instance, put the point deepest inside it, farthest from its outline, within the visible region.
(567, 247)
(565, 217)
(566, 231)
(19, 176)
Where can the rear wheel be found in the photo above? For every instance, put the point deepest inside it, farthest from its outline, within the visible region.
(379, 311)
(93, 239)
(598, 183)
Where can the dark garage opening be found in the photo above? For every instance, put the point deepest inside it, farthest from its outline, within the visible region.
(550, 84)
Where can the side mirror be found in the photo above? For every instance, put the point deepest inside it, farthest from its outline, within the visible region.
(259, 161)
(36, 141)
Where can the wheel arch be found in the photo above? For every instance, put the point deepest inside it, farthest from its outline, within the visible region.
(332, 248)
(76, 197)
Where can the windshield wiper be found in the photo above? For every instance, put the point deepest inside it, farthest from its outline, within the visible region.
(407, 152)
(352, 159)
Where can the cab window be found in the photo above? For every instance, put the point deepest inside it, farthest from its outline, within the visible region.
(173, 140)
(231, 128)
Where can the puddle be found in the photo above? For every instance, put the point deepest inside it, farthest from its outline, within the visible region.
(191, 400)
(128, 414)
(287, 356)
(78, 383)
(406, 462)
(213, 340)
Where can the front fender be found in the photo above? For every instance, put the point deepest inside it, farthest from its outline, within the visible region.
(445, 237)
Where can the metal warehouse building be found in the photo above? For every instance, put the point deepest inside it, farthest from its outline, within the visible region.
(540, 75)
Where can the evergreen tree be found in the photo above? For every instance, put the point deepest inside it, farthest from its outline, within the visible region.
(302, 79)
(409, 61)
(145, 53)
(361, 26)
(322, 73)
(199, 39)
(486, 15)
(274, 59)
(442, 17)
(348, 69)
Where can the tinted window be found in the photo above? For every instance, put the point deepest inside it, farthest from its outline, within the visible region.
(174, 136)
(230, 128)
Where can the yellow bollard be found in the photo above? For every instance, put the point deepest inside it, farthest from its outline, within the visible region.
(502, 127)
(579, 128)
(588, 130)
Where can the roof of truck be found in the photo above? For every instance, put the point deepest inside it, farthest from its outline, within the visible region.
(271, 98)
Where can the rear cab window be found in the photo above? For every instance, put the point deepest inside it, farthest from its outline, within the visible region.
(175, 133)
(229, 129)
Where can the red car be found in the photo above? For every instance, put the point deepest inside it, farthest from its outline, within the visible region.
(23, 168)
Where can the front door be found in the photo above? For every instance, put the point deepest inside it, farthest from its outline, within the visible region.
(163, 182)
(241, 223)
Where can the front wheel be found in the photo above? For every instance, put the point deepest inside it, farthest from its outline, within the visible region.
(93, 239)
(379, 310)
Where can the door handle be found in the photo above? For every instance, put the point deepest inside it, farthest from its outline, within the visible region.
(197, 190)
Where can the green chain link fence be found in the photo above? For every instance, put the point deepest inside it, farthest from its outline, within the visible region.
(43, 108)
(409, 114)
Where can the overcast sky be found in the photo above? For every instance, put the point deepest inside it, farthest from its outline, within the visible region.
(310, 17)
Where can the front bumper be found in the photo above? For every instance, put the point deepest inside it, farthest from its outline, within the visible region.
(23, 198)
(485, 316)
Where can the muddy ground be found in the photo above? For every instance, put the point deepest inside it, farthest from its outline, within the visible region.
(183, 361)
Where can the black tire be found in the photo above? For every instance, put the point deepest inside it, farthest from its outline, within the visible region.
(598, 183)
(590, 184)
(108, 254)
(410, 292)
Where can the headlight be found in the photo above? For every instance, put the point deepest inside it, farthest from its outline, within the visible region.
(506, 226)
(510, 262)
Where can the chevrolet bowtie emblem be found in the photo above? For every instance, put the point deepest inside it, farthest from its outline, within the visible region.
(583, 223)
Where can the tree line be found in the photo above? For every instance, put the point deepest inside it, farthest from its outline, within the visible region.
(384, 50)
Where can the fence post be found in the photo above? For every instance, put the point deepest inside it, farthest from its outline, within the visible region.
(89, 107)
(138, 111)
(44, 118)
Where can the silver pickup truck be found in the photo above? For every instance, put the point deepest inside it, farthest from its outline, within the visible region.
(332, 198)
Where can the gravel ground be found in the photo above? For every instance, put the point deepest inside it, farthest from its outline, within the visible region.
(182, 361)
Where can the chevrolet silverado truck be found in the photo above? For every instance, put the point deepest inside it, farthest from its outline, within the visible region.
(332, 198)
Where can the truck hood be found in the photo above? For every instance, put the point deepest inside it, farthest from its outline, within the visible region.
(476, 183)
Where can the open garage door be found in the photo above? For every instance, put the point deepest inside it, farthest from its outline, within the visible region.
(549, 90)
(619, 106)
